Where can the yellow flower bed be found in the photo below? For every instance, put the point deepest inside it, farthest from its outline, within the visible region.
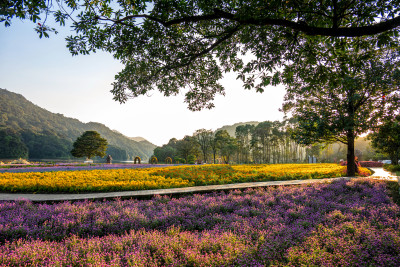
(155, 178)
(223, 174)
(86, 181)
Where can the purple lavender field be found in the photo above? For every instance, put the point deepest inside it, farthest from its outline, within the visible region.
(344, 223)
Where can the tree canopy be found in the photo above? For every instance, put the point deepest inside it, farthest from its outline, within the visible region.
(187, 45)
(339, 90)
(89, 144)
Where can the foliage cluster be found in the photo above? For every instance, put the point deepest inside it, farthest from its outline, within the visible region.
(343, 223)
(392, 168)
(156, 178)
(386, 138)
(179, 160)
(172, 45)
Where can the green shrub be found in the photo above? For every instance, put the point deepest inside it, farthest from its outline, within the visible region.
(191, 159)
(180, 160)
(392, 168)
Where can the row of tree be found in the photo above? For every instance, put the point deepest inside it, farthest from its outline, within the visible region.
(275, 142)
(267, 142)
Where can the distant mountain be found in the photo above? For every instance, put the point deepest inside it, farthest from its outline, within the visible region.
(232, 128)
(26, 128)
(137, 139)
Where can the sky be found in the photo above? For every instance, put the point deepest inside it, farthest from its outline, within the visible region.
(45, 73)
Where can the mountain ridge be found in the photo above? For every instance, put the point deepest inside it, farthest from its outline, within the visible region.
(232, 128)
(20, 118)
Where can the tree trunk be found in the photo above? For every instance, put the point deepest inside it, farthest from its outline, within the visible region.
(351, 166)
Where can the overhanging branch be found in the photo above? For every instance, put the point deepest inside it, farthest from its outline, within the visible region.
(298, 26)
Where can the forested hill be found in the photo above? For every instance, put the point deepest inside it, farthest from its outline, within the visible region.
(232, 128)
(28, 128)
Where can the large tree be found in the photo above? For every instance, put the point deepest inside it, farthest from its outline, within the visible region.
(243, 135)
(261, 140)
(187, 146)
(341, 89)
(187, 45)
(89, 144)
(226, 144)
(204, 139)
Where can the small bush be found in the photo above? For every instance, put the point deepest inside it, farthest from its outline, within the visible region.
(180, 160)
(391, 168)
(365, 163)
(371, 164)
(191, 159)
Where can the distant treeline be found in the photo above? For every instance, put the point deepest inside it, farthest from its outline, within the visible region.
(264, 142)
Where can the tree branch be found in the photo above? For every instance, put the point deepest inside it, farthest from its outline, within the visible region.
(299, 26)
(192, 57)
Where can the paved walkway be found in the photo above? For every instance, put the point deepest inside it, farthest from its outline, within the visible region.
(379, 173)
(149, 193)
(382, 174)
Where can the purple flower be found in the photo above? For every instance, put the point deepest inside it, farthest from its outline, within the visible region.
(349, 223)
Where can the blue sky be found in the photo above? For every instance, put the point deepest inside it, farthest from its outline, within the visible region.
(44, 72)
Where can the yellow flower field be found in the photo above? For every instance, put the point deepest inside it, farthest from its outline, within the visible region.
(155, 178)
